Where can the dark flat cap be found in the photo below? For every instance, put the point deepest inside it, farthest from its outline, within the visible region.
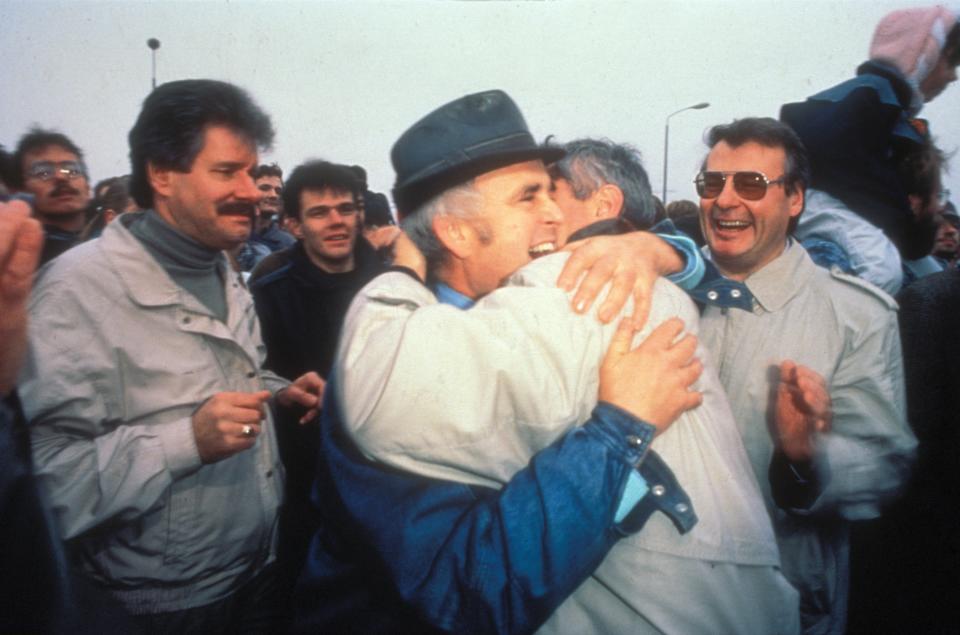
(460, 140)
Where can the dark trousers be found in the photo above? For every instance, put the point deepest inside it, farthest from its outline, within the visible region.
(258, 607)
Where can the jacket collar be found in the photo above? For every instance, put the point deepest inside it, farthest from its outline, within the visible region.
(771, 288)
(145, 280)
(777, 283)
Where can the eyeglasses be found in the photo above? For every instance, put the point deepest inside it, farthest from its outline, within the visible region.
(46, 170)
(323, 211)
(751, 186)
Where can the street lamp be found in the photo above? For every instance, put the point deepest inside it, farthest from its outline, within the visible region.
(666, 141)
(154, 44)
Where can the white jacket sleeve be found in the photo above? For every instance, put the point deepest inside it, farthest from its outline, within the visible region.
(470, 395)
(94, 467)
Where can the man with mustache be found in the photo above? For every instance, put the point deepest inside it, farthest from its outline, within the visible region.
(150, 416)
(48, 165)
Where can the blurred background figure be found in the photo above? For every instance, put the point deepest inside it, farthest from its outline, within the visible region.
(50, 167)
(686, 216)
(858, 214)
(946, 244)
(111, 198)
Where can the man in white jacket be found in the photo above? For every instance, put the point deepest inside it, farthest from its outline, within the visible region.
(471, 395)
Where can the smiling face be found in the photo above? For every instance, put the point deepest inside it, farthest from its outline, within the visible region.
(328, 225)
(215, 202)
(746, 235)
(271, 187)
(66, 192)
(516, 220)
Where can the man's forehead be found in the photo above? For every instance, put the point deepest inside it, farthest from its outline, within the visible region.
(51, 149)
(321, 193)
(749, 155)
(514, 178)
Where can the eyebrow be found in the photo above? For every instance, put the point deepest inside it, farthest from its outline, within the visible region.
(532, 188)
(232, 165)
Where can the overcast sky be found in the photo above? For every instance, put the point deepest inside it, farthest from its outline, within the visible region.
(342, 80)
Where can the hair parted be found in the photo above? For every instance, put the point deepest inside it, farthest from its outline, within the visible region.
(170, 129)
(591, 163)
(320, 175)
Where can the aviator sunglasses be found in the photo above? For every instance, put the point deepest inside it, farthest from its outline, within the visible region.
(751, 186)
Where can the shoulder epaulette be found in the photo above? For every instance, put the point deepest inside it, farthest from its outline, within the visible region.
(866, 287)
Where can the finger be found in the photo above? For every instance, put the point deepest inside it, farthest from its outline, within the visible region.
(814, 397)
(691, 400)
(803, 372)
(240, 430)
(665, 333)
(299, 396)
(623, 282)
(683, 350)
(689, 374)
(309, 416)
(641, 305)
(592, 284)
(582, 257)
(22, 244)
(12, 215)
(243, 415)
(621, 340)
(788, 371)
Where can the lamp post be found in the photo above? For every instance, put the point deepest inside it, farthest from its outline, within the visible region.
(666, 141)
(154, 44)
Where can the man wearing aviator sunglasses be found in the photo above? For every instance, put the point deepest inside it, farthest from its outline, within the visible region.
(830, 444)
(49, 166)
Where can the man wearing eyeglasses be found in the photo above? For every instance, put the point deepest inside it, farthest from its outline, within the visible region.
(810, 360)
(49, 166)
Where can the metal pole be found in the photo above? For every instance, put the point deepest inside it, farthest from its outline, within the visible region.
(154, 44)
(666, 141)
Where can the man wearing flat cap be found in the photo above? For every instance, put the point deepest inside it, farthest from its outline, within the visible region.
(489, 397)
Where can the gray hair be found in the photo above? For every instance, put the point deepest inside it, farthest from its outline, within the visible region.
(461, 201)
(592, 163)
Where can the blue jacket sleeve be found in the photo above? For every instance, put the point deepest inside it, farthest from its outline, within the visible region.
(470, 559)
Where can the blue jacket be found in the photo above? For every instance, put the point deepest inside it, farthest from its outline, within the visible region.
(855, 134)
(479, 560)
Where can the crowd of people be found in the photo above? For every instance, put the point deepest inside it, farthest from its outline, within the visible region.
(527, 397)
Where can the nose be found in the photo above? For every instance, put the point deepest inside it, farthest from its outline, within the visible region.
(247, 189)
(550, 213)
(728, 195)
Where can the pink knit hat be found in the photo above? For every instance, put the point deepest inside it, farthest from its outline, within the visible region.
(911, 40)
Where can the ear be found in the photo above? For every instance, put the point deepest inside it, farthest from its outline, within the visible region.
(456, 235)
(108, 216)
(160, 179)
(608, 201)
(795, 201)
(294, 227)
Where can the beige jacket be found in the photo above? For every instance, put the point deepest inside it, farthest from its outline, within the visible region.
(120, 358)
(472, 395)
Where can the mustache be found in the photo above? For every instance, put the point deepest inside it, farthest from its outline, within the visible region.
(237, 208)
(64, 188)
